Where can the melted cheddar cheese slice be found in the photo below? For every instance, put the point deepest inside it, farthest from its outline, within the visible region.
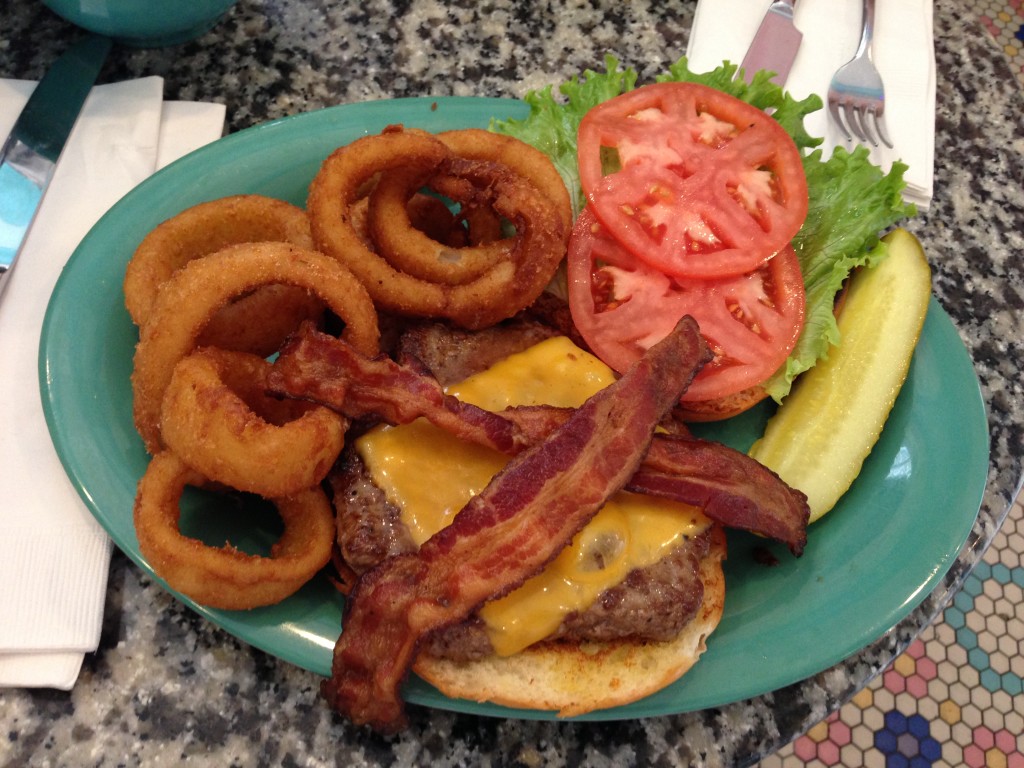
(430, 475)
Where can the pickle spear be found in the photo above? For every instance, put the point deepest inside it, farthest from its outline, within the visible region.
(825, 429)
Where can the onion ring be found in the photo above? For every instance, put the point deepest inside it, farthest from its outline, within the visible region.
(419, 254)
(196, 291)
(414, 251)
(259, 322)
(216, 417)
(224, 577)
(431, 216)
(522, 158)
(499, 293)
(256, 323)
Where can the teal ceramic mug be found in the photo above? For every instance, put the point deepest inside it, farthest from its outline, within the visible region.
(143, 23)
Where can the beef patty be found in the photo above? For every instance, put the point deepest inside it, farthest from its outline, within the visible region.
(652, 603)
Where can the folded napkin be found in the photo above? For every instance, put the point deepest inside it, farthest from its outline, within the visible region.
(54, 556)
(903, 51)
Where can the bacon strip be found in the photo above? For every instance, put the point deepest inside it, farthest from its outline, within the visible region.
(317, 367)
(526, 515)
(733, 489)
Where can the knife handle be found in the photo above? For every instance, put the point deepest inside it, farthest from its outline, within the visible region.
(69, 79)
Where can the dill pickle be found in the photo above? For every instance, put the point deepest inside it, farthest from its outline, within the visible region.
(825, 429)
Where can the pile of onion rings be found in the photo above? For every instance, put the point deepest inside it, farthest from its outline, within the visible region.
(410, 273)
(193, 295)
(466, 226)
(202, 412)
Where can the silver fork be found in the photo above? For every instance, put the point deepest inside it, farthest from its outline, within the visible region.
(857, 93)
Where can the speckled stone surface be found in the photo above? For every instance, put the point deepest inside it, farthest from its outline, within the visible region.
(168, 688)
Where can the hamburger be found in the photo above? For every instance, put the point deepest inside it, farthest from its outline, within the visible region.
(584, 573)
(623, 611)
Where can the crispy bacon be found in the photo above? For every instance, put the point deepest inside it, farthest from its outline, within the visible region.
(732, 488)
(328, 371)
(526, 515)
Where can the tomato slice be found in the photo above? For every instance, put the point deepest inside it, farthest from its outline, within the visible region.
(702, 184)
(622, 306)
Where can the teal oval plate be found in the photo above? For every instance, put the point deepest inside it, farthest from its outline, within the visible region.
(867, 565)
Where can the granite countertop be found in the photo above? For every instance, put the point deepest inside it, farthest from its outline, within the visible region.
(167, 687)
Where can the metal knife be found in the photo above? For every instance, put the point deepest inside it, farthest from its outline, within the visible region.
(30, 153)
(775, 45)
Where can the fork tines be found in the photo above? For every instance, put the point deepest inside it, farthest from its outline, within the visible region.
(856, 95)
(863, 121)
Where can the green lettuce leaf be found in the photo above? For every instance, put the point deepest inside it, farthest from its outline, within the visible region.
(851, 201)
(851, 204)
(552, 124)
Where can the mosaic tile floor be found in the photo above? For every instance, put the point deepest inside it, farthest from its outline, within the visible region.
(1005, 20)
(956, 697)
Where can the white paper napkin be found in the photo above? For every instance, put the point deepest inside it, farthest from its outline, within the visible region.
(54, 556)
(903, 51)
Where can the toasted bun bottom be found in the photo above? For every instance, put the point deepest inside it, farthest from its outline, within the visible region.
(723, 407)
(576, 679)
